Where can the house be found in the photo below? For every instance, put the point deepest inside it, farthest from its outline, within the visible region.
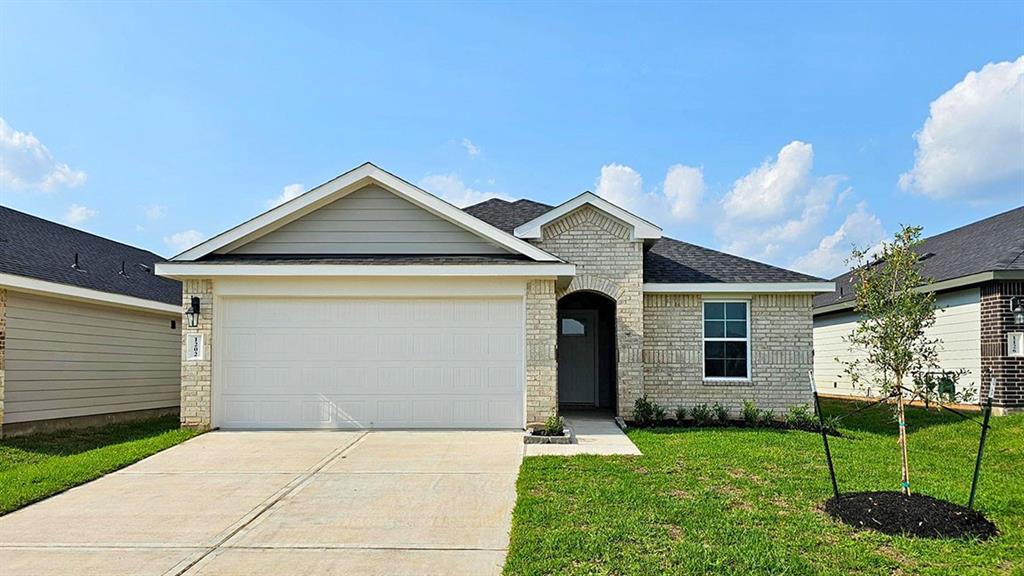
(977, 274)
(368, 302)
(88, 333)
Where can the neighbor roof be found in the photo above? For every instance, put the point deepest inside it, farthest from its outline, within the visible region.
(36, 248)
(994, 244)
(667, 261)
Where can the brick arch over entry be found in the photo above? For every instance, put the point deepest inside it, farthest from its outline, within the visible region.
(592, 283)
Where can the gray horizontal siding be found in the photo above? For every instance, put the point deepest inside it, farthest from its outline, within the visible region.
(67, 359)
(370, 221)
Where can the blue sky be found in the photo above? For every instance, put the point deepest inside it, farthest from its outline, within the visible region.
(779, 132)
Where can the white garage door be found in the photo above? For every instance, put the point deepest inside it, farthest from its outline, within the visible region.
(360, 363)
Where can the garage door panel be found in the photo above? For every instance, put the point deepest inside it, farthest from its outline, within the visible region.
(340, 363)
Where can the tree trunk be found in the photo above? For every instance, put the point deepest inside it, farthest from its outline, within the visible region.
(901, 416)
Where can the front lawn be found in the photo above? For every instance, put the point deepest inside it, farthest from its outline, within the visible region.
(743, 501)
(34, 467)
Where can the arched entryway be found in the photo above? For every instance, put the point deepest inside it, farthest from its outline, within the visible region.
(586, 351)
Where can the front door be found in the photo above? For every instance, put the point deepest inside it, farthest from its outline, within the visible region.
(577, 357)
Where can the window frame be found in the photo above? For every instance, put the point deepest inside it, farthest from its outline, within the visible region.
(704, 339)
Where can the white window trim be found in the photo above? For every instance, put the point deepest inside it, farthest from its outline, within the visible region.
(703, 339)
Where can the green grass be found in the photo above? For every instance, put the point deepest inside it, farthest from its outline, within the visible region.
(34, 467)
(747, 501)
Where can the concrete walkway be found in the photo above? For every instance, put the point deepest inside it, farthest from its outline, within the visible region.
(311, 503)
(596, 433)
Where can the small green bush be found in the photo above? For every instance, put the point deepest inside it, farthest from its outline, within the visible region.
(801, 417)
(767, 418)
(702, 414)
(721, 413)
(659, 414)
(554, 425)
(751, 413)
(680, 413)
(643, 411)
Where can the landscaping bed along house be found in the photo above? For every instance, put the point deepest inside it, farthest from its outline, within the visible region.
(746, 499)
(36, 466)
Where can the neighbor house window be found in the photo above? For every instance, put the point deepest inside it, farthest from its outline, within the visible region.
(726, 340)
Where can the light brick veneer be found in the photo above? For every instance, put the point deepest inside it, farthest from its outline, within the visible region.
(781, 334)
(609, 262)
(541, 341)
(197, 375)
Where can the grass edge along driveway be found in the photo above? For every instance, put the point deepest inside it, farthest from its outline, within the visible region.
(748, 501)
(37, 466)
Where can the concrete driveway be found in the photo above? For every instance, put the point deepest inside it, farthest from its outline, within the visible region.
(311, 503)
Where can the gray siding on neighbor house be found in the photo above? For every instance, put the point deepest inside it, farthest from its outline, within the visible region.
(371, 220)
(67, 358)
(957, 327)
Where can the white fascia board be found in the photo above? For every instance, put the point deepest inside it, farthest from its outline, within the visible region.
(950, 284)
(58, 290)
(740, 287)
(190, 270)
(349, 182)
(642, 229)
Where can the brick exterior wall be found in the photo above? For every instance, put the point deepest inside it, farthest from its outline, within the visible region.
(541, 341)
(197, 375)
(609, 262)
(996, 322)
(781, 332)
(3, 353)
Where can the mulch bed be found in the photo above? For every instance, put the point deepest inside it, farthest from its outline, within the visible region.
(915, 515)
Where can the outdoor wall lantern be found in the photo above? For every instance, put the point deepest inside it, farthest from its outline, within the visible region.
(193, 313)
(1017, 307)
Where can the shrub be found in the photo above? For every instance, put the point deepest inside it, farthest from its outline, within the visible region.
(721, 413)
(767, 418)
(680, 414)
(554, 425)
(750, 412)
(643, 411)
(800, 417)
(832, 425)
(702, 414)
(659, 414)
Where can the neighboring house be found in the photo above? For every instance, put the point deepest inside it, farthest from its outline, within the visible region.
(369, 302)
(977, 272)
(88, 333)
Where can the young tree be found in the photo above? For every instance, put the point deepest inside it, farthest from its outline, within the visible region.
(899, 360)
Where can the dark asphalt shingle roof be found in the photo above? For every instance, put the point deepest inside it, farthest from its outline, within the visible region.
(507, 215)
(44, 250)
(993, 244)
(667, 261)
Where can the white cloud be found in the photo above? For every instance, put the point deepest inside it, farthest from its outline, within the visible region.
(684, 189)
(287, 193)
(184, 240)
(767, 191)
(452, 189)
(679, 197)
(972, 144)
(472, 149)
(78, 214)
(622, 186)
(155, 211)
(776, 212)
(26, 164)
(861, 229)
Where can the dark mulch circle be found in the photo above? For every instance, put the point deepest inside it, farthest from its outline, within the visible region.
(915, 515)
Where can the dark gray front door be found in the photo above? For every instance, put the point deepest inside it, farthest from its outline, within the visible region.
(577, 357)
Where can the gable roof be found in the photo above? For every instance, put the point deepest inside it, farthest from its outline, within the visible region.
(640, 229)
(667, 261)
(993, 244)
(31, 247)
(339, 187)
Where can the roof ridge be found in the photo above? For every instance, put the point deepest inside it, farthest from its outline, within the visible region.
(80, 231)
